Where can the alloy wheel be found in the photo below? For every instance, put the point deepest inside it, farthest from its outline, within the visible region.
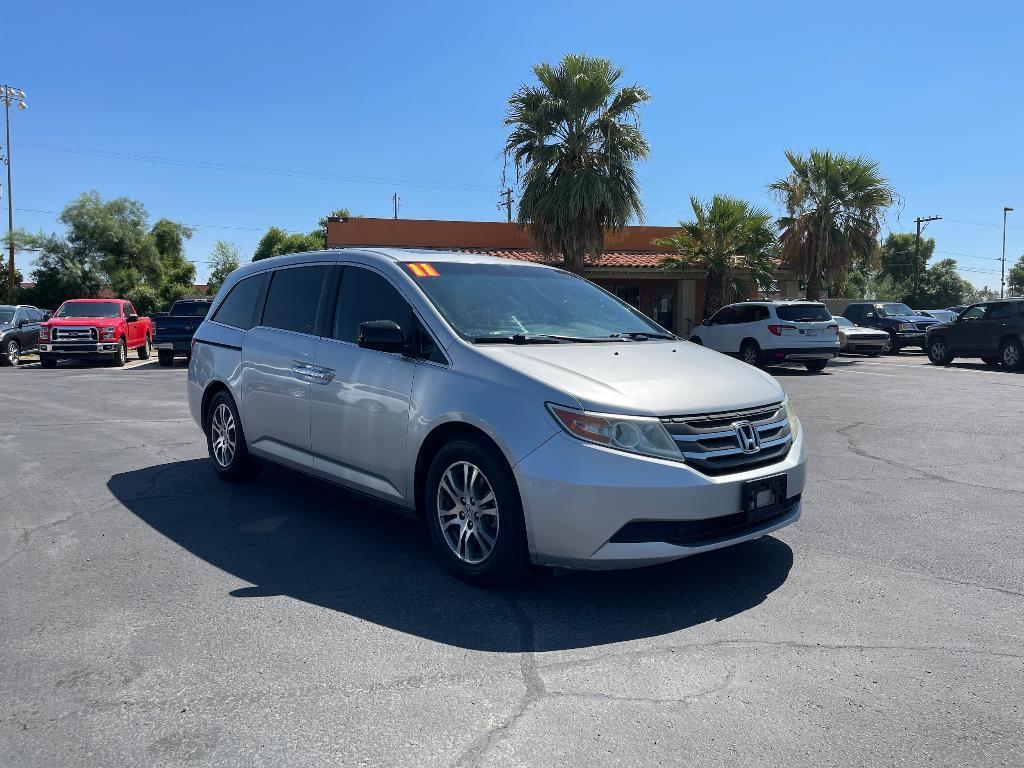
(1011, 355)
(467, 512)
(13, 353)
(750, 355)
(938, 350)
(224, 435)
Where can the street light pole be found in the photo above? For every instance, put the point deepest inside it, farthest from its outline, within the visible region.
(1002, 276)
(7, 95)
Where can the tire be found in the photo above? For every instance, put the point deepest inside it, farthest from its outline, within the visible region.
(12, 353)
(894, 347)
(47, 361)
(938, 352)
(992, 360)
(121, 356)
(482, 542)
(166, 357)
(750, 353)
(225, 441)
(1011, 354)
(146, 350)
(815, 366)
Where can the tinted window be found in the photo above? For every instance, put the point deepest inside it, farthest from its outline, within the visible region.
(806, 313)
(35, 316)
(293, 298)
(190, 309)
(365, 296)
(853, 312)
(999, 312)
(238, 309)
(974, 313)
(724, 316)
(20, 315)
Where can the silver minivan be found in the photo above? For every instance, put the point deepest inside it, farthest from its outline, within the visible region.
(523, 413)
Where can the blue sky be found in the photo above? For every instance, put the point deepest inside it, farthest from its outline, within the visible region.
(343, 104)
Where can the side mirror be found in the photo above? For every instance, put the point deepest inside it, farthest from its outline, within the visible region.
(132, 318)
(381, 335)
(22, 323)
(869, 315)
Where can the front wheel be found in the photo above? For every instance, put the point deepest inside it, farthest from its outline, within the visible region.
(12, 352)
(226, 441)
(146, 349)
(815, 366)
(474, 514)
(894, 347)
(939, 353)
(166, 357)
(121, 355)
(1011, 354)
(47, 361)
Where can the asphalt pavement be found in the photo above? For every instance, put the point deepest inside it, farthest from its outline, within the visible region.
(153, 615)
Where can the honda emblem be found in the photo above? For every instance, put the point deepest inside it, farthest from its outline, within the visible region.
(747, 436)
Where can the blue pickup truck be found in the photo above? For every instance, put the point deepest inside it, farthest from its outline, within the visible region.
(174, 329)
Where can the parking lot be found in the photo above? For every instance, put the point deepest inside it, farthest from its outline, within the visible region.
(153, 615)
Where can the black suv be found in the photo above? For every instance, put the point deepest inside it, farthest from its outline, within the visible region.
(19, 331)
(992, 330)
(906, 328)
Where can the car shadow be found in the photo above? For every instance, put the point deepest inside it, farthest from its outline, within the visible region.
(295, 537)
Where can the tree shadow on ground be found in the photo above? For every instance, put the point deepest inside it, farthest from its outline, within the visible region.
(291, 536)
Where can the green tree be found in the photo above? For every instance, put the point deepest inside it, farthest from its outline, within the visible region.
(224, 260)
(177, 276)
(145, 299)
(60, 271)
(941, 286)
(18, 278)
(1015, 278)
(980, 294)
(723, 238)
(897, 257)
(277, 242)
(575, 140)
(834, 204)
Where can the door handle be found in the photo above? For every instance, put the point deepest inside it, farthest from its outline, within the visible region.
(313, 373)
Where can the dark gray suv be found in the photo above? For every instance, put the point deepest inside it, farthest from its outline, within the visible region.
(992, 330)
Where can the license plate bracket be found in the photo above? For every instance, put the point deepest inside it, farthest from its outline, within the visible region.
(762, 496)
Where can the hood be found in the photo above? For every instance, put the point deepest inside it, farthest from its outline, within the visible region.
(942, 326)
(648, 378)
(5, 327)
(99, 322)
(861, 329)
(911, 318)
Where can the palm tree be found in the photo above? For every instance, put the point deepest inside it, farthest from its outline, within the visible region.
(834, 204)
(724, 237)
(574, 141)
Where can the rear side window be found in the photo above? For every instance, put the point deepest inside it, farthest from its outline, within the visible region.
(365, 296)
(999, 312)
(293, 298)
(803, 313)
(239, 308)
(190, 309)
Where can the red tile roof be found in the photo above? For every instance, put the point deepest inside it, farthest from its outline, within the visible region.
(608, 260)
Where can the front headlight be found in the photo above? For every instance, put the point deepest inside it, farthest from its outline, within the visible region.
(107, 333)
(633, 434)
(907, 327)
(794, 422)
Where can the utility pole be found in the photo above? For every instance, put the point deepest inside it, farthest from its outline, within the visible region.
(506, 202)
(917, 251)
(1002, 275)
(395, 201)
(8, 95)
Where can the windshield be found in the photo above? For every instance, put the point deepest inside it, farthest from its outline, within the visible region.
(844, 322)
(89, 309)
(893, 310)
(805, 313)
(190, 309)
(482, 301)
(6, 315)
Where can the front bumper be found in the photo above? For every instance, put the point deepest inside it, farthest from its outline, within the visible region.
(910, 338)
(74, 349)
(873, 344)
(577, 497)
(799, 354)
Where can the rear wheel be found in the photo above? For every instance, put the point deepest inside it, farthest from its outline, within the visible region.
(815, 366)
(166, 357)
(750, 354)
(121, 355)
(1011, 354)
(12, 352)
(47, 361)
(938, 352)
(146, 349)
(226, 441)
(474, 514)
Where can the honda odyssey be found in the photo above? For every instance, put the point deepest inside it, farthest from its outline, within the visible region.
(523, 413)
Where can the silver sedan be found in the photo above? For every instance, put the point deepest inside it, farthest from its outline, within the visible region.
(854, 338)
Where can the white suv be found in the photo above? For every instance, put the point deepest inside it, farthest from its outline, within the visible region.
(765, 332)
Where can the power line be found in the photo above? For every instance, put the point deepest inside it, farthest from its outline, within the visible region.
(260, 170)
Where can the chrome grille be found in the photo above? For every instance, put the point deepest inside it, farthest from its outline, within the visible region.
(924, 326)
(73, 334)
(711, 442)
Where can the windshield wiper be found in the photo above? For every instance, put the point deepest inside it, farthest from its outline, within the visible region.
(518, 338)
(640, 335)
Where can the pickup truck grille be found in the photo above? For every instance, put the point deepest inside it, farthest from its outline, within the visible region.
(711, 443)
(924, 326)
(73, 334)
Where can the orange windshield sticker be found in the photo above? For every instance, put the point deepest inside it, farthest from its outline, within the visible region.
(423, 270)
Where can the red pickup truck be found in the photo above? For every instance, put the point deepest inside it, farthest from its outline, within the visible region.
(95, 329)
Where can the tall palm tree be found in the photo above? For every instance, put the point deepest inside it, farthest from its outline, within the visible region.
(723, 238)
(574, 142)
(834, 204)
